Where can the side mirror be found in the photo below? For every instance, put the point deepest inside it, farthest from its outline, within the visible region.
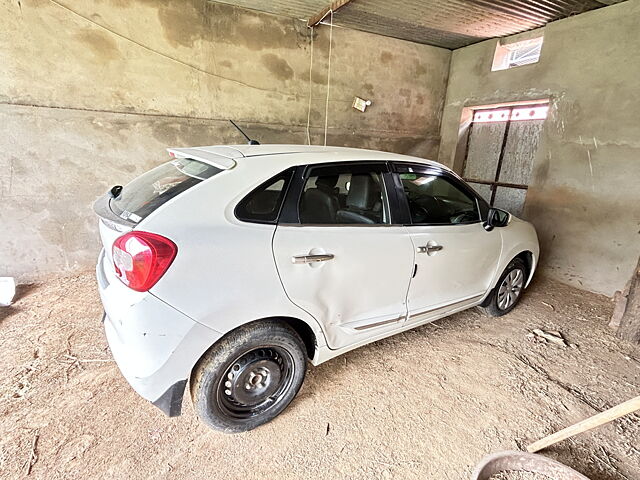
(496, 218)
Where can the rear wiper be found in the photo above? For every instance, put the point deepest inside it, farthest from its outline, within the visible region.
(115, 191)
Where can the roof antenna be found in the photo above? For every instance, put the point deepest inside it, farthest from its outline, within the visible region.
(251, 142)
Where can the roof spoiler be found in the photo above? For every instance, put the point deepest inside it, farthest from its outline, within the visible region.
(224, 159)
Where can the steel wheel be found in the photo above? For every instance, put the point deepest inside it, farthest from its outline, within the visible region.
(249, 376)
(510, 289)
(255, 382)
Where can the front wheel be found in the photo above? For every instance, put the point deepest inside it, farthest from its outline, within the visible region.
(249, 377)
(506, 295)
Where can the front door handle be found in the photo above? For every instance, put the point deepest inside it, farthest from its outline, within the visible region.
(298, 259)
(429, 249)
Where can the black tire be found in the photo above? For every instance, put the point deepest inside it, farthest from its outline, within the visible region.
(249, 377)
(495, 305)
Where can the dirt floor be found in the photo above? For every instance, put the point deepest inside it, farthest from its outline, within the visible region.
(426, 404)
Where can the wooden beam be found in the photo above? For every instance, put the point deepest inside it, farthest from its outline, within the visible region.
(332, 7)
(607, 416)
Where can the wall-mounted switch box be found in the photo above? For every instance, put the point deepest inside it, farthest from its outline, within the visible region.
(361, 104)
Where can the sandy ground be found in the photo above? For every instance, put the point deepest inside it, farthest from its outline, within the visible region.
(426, 404)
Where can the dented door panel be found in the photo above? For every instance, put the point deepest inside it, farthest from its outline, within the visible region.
(360, 291)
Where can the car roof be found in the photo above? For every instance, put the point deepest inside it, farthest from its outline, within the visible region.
(226, 156)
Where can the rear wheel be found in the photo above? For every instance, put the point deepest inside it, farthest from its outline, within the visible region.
(506, 295)
(249, 377)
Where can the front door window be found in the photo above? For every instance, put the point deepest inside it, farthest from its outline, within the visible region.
(434, 200)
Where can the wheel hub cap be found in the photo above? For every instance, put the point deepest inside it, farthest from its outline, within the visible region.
(510, 289)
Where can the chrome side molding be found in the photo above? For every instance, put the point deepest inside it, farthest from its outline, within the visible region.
(379, 324)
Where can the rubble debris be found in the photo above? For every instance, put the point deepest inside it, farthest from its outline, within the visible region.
(549, 305)
(626, 314)
(620, 299)
(33, 458)
(552, 336)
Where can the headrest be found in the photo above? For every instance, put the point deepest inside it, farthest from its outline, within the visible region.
(363, 192)
(326, 183)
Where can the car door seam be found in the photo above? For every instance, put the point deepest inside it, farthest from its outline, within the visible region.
(275, 263)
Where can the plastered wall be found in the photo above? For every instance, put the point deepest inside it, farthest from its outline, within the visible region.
(584, 197)
(92, 92)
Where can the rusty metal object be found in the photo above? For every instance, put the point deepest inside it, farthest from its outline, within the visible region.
(523, 462)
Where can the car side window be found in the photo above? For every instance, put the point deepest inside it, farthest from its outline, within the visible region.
(343, 195)
(263, 204)
(435, 200)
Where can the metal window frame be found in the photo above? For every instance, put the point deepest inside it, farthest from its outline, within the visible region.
(290, 215)
(524, 55)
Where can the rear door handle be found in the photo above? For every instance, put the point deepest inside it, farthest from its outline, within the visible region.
(429, 249)
(298, 259)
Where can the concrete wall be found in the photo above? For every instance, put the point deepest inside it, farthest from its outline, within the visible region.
(584, 196)
(92, 92)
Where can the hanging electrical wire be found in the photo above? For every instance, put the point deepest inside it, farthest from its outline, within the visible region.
(310, 90)
(326, 106)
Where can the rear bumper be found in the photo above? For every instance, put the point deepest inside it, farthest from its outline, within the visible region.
(154, 345)
(170, 402)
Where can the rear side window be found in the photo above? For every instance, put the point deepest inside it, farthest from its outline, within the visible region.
(149, 191)
(264, 203)
(342, 195)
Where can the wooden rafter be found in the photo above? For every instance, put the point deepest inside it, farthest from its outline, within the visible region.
(332, 7)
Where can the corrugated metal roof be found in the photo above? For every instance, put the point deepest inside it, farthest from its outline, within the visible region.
(449, 24)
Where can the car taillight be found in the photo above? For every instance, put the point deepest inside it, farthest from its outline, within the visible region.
(141, 258)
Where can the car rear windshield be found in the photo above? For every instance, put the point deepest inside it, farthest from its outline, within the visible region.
(149, 191)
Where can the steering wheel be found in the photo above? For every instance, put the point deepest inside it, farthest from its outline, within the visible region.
(419, 214)
(463, 217)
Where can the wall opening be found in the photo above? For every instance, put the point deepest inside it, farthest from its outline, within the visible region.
(516, 54)
(502, 142)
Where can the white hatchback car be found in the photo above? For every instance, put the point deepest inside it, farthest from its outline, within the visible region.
(230, 266)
